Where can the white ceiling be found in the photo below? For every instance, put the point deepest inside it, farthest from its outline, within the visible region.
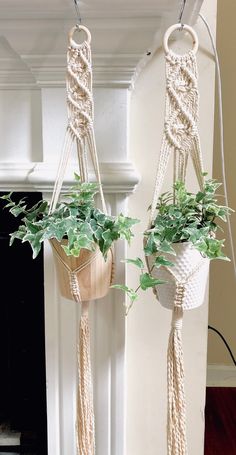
(97, 8)
(33, 36)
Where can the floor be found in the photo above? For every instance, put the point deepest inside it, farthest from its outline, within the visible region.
(220, 414)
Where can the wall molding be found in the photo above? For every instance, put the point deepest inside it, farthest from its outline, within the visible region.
(117, 177)
(122, 32)
(221, 376)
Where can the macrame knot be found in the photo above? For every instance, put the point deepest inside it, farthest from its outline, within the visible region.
(74, 286)
(192, 130)
(179, 295)
(177, 318)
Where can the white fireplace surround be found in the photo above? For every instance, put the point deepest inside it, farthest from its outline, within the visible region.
(32, 125)
(107, 321)
(107, 316)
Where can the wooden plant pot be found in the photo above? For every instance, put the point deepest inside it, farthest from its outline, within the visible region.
(190, 271)
(94, 276)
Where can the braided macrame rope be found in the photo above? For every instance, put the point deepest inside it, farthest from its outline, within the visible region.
(85, 409)
(80, 129)
(80, 109)
(176, 418)
(176, 411)
(180, 135)
(181, 139)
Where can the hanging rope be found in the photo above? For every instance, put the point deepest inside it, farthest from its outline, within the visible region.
(176, 410)
(85, 411)
(181, 135)
(80, 130)
(176, 418)
(181, 139)
(85, 421)
(80, 109)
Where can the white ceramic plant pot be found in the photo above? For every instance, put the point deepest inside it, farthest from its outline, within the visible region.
(190, 270)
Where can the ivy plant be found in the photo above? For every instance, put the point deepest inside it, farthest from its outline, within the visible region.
(75, 218)
(181, 217)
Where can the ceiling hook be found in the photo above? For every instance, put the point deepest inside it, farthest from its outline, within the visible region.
(77, 10)
(180, 19)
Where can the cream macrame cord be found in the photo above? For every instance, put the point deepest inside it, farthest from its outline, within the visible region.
(80, 108)
(181, 135)
(176, 419)
(80, 130)
(181, 140)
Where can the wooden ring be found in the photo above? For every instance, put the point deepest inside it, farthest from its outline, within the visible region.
(175, 27)
(72, 31)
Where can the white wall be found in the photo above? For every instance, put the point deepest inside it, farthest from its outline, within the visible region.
(148, 324)
(20, 126)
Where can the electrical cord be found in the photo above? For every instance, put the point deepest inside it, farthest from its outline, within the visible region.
(221, 125)
(225, 343)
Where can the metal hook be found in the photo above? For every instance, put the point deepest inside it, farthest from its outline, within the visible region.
(77, 10)
(181, 14)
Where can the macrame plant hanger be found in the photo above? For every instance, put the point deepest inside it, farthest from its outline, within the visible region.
(80, 130)
(180, 139)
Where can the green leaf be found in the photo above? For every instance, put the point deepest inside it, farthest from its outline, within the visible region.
(100, 217)
(150, 246)
(7, 197)
(133, 296)
(161, 261)
(35, 241)
(165, 247)
(17, 210)
(147, 281)
(122, 287)
(17, 235)
(77, 177)
(83, 241)
(10, 204)
(138, 262)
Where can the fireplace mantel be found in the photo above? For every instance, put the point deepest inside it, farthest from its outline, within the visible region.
(117, 177)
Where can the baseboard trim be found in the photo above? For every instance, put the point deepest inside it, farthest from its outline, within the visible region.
(221, 376)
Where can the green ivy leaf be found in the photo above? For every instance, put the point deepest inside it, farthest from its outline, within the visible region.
(138, 262)
(35, 241)
(165, 247)
(18, 209)
(162, 261)
(7, 197)
(150, 246)
(147, 281)
(133, 296)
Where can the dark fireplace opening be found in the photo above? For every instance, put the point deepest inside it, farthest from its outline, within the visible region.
(23, 417)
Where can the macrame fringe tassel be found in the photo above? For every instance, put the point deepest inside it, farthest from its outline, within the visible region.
(176, 419)
(85, 411)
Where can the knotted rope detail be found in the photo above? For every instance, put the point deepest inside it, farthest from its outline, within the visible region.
(180, 135)
(80, 127)
(85, 413)
(176, 419)
(74, 286)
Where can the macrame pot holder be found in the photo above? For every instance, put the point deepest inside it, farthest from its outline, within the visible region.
(87, 276)
(187, 279)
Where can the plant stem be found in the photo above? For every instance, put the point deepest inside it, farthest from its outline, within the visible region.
(136, 290)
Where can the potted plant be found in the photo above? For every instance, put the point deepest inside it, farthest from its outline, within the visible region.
(80, 234)
(179, 245)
